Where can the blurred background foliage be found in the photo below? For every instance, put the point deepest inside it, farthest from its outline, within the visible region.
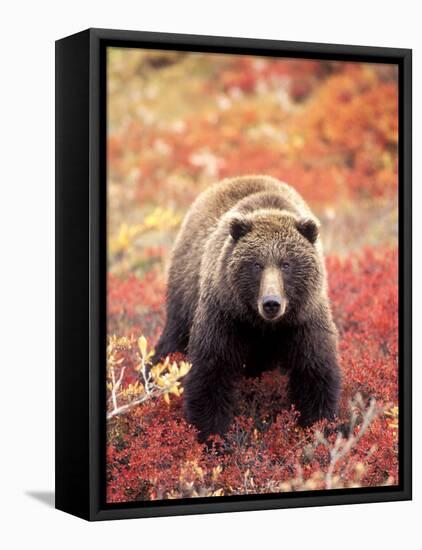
(178, 122)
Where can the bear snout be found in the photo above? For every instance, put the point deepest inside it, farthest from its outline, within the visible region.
(271, 300)
(272, 307)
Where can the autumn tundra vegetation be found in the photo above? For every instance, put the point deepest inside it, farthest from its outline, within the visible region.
(179, 122)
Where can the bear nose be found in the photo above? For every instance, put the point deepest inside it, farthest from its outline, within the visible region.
(271, 305)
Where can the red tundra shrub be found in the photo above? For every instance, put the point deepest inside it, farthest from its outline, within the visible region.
(154, 454)
(136, 304)
(365, 305)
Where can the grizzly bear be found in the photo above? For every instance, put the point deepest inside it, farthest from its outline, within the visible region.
(247, 292)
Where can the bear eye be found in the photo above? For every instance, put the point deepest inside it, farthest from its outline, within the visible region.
(258, 266)
(285, 266)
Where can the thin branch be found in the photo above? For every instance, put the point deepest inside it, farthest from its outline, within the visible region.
(115, 385)
(154, 392)
(340, 449)
(124, 408)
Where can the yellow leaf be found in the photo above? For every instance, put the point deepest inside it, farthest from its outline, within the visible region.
(184, 368)
(142, 344)
(174, 390)
(216, 472)
(150, 354)
(167, 398)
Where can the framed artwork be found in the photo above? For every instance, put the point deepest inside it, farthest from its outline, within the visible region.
(233, 274)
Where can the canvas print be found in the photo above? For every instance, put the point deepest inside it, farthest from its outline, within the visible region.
(252, 275)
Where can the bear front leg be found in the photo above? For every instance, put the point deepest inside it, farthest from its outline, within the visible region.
(314, 381)
(209, 386)
(208, 398)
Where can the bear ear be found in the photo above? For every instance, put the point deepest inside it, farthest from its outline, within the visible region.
(309, 229)
(239, 228)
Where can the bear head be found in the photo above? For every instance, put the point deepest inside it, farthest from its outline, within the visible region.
(274, 266)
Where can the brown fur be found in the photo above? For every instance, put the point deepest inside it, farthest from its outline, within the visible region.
(237, 236)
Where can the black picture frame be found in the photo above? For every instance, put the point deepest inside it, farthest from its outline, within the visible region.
(81, 272)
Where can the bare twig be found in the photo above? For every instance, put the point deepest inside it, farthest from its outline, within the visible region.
(343, 446)
(124, 408)
(115, 385)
